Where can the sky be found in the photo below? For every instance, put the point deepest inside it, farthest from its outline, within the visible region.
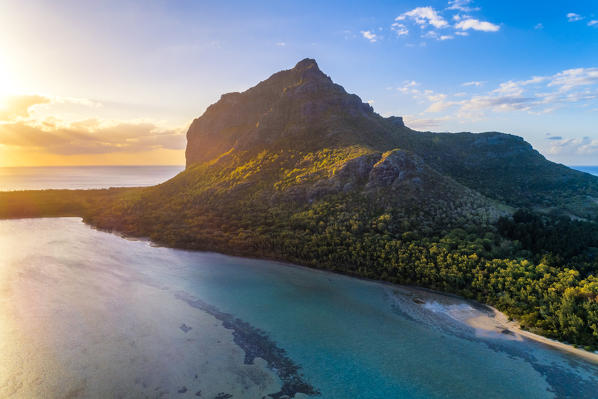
(119, 82)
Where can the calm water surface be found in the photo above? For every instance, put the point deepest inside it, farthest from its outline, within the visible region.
(85, 313)
(84, 177)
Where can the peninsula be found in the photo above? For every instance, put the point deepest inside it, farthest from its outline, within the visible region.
(297, 169)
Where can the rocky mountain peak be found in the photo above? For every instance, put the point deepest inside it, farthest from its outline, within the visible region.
(297, 108)
(306, 63)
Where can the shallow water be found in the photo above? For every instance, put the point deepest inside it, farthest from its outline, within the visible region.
(83, 177)
(85, 313)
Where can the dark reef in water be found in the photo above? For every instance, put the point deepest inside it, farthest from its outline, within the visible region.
(256, 343)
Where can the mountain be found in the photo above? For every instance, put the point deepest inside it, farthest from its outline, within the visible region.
(299, 170)
(302, 110)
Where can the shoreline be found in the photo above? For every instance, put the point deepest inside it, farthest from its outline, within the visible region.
(486, 320)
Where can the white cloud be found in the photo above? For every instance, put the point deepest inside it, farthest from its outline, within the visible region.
(21, 125)
(573, 17)
(19, 107)
(475, 24)
(509, 88)
(461, 5)
(400, 29)
(431, 20)
(24, 106)
(369, 35)
(536, 95)
(424, 16)
(473, 83)
(90, 136)
(281, 44)
(535, 80)
(435, 97)
(498, 103)
(419, 123)
(431, 34)
(409, 87)
(572, 78)
(593, 22)
(439, 106)
(79, 101)
(434, 35)
(539, 26)
(575, 146)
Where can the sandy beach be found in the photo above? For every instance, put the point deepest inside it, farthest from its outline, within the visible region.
(486, 320)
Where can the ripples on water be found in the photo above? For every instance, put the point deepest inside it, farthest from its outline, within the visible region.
(85, 313)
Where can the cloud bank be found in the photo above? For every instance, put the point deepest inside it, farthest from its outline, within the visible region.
(536, 95)
(20, 128)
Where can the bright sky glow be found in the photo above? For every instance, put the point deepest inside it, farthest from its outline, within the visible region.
(118, 82)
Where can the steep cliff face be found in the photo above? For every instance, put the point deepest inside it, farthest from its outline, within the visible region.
(300, 108)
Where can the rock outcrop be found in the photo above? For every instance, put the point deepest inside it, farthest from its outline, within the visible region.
(300, 107)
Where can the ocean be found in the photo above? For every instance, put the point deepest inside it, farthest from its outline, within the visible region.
(83, 177)
(593, 170)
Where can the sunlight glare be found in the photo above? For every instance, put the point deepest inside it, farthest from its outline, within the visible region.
(7, 84)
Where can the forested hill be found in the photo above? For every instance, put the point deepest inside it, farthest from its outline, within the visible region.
(508, 169)
(297, 169)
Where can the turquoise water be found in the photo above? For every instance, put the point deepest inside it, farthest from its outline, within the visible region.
(74, 294)
(83, 177)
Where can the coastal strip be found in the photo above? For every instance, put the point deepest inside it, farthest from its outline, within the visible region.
(484, 319)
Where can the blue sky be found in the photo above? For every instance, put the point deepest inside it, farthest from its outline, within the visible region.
(139, 72)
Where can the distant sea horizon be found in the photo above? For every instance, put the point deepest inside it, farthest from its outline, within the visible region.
(84, 177)
(593, 170)
(105, 176)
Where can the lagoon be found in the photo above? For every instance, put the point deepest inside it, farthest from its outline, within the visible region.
(85, 313)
